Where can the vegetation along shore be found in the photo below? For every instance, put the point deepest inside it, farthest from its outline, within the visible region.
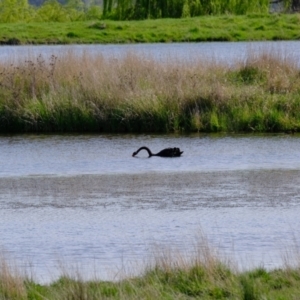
(92, 93)
(170, 276)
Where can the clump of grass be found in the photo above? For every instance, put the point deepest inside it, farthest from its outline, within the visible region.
(201, 275)
(170, 275)
(140, 94)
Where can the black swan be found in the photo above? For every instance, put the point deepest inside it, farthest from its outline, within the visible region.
(168, 152)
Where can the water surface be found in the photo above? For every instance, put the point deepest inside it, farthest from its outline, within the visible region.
(225, 52)
(84, 201)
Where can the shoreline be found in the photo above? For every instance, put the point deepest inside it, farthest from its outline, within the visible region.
(253, 27)
(168, 275)
(135, 94)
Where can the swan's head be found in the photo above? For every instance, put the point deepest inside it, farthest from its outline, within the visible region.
(134, 154)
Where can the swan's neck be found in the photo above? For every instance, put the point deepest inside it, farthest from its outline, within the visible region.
(147, 149)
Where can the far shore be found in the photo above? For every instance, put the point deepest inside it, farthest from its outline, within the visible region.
(253, 27)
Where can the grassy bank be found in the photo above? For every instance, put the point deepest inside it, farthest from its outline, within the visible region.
(140, 94)
(205, 28)
(171, 277)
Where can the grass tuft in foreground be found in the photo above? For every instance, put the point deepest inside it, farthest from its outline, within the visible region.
(141, 94)
(171, 276)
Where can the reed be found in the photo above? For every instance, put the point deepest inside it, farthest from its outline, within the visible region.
(11, 282)
(140, 94)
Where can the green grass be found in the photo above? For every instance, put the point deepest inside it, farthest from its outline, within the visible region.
(202, 274)
(205, 28)
(175, 279)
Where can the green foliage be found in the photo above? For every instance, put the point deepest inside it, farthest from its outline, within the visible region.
(53, 11)
(186, 9)
(12, 11)
(74, 10)
(93, 12)
(15, 11)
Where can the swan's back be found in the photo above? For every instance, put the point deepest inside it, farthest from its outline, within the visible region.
(169, 152)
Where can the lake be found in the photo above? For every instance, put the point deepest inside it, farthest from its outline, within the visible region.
(224, 52)
(83, 201)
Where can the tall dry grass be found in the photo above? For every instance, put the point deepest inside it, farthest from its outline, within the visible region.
(11, 281)
(141, 94)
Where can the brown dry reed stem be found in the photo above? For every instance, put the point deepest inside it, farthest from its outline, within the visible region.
(11, 282)
(136, 93)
